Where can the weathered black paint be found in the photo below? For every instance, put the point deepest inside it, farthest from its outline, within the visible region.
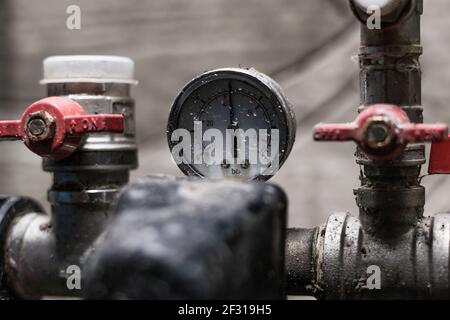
(189, 239)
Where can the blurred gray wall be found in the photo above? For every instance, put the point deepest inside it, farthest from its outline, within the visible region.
(306, 45)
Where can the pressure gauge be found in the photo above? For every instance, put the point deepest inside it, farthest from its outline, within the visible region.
(231, 123)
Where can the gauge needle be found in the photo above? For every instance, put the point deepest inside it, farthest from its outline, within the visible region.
(233, 124)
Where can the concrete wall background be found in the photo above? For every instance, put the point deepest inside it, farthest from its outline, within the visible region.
(305, 45)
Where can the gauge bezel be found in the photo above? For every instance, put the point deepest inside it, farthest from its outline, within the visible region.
(261, 82)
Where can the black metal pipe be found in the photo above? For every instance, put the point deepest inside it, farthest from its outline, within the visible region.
(391, 198)
(299, 263)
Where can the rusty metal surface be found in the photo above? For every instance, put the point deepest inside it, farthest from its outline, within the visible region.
(391, 234)
(413, 264)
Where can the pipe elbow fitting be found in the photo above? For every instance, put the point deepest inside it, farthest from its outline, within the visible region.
(12, 210)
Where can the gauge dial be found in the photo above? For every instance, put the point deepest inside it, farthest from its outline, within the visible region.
(231, 123)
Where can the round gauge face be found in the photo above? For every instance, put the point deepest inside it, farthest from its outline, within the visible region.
(231, 123)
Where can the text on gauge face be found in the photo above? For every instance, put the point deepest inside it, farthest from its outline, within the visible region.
(232, 146)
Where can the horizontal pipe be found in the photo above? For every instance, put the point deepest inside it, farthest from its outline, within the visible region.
(299, 261)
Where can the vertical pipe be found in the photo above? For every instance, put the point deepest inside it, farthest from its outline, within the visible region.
(85, 184)
(390, 73)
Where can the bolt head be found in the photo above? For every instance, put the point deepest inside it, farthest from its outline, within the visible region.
(380, 135)
(39, 126)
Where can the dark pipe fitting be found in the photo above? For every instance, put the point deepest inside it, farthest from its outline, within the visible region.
(189, 239)
(300, 263)
(391, 212)
(345, 261)
(11, 208)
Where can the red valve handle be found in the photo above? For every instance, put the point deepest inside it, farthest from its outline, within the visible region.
(53, 127)
(381, 131)
(439, 162)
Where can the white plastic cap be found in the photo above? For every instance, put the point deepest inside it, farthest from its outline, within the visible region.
(101, 69)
